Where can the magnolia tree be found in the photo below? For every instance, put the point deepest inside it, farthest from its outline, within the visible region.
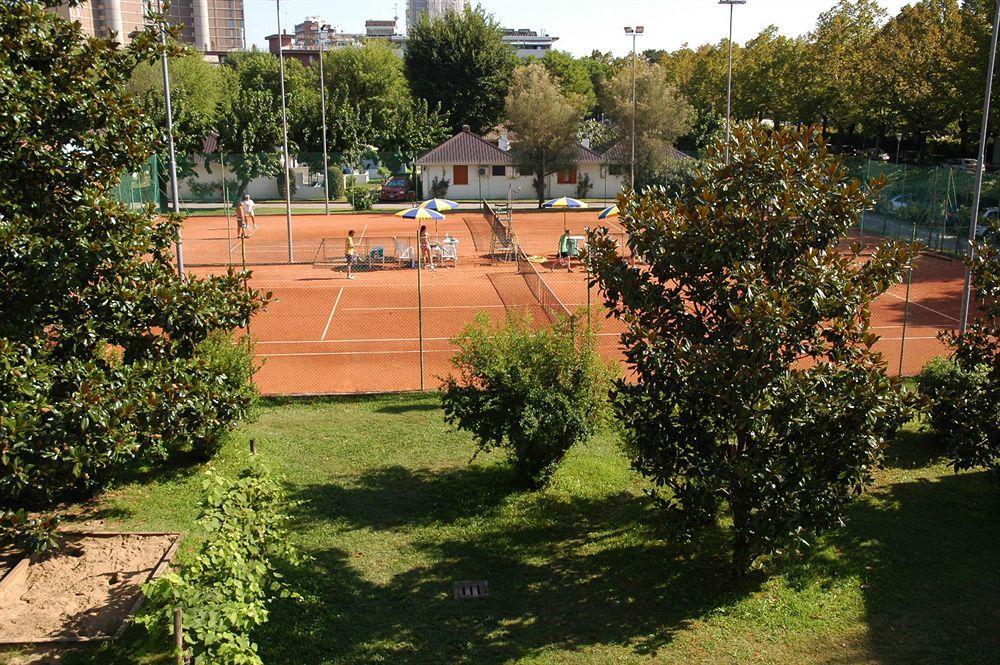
(104, 349)
(755, 391)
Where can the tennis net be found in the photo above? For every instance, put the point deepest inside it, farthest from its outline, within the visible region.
(551, 304)
(500, 229)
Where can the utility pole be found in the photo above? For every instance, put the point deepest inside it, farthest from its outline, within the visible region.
(170, 139)
(633, 33)
(322, 101)
(729, 78)
(980, 167)
(284, 134)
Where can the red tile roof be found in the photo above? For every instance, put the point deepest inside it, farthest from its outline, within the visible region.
(465, 148)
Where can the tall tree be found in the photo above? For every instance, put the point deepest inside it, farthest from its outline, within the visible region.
(251, 136)
(661, 114)
(545, 123)
(100, 338)
(460, 62)
(573, 77)
(755, 391)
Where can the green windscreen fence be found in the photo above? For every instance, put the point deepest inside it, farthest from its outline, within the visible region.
(139, 186)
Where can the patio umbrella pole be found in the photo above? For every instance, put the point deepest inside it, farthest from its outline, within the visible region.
(420, 309)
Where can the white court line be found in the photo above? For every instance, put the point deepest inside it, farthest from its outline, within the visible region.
(394, 309)
(362, 236)
(916, 304)
(350, 353)
(380, 339)
(332, 311)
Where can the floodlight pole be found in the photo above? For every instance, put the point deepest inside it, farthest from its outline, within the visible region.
(980, 167)
(284, 134)
(322, 101)
(633, 33)
(729, 78)
(170, 139)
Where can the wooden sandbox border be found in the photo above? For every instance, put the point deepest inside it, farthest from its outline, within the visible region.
(158, 570)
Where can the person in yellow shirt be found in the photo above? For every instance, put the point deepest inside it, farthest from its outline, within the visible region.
(350, 252)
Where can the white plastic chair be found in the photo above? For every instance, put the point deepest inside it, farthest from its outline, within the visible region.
(403, 252)
(448, 251)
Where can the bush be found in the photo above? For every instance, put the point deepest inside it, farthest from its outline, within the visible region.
(583, 186)
(361, 197)
(336, 177)
(209, 395)
(280, 182)
(439, 187)
(225, 591)
(533, 393)
(963, 391)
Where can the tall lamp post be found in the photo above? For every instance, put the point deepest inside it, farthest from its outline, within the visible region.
(633, 33)
(980, 167)
(175, 199)
(729, 79)
(284, 133)
(322, 101)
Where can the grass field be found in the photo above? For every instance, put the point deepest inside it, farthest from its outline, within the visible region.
(582, 572)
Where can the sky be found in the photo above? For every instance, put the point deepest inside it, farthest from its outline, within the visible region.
(580, 25)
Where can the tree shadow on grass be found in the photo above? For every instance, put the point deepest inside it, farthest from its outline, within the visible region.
(563, 573)
(927, 554)
(913, 450)
(392, 497)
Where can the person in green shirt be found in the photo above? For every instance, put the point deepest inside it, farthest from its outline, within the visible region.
(564, 246)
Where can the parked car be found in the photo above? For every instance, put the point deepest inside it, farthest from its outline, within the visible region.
(877, 155)
(900, 201)
(397, 188)
(964, 164)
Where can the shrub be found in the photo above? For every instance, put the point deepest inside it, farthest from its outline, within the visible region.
(361, 197)
(280, 183)
(336, 177)
(225, 591)
(963, 391)
(439, 187)
(583, 186)
(533, 393)
(755, 394)
(209, 395)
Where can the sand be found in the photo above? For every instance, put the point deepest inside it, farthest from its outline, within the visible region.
(85, 589)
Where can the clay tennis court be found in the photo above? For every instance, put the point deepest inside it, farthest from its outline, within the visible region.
(325, 334)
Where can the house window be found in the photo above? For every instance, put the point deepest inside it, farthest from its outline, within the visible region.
(566, 177)
(499, 170)
(460, 174)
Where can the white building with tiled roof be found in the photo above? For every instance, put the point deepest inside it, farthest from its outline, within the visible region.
(477, 168)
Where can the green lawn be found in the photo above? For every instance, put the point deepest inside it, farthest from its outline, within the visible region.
(582, 572)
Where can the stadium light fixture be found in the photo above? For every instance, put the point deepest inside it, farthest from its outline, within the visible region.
(729, 79)
(980, 167)
(637, 31)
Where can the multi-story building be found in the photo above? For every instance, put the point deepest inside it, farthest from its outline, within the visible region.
(528, 43)
(314, 34)
(213, 26)
(432, 8)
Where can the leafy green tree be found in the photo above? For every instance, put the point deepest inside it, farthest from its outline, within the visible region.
(545, 123)
(197, 89)
(964, 389)
(602, 135)
(531, 392)
(100, 338)
(250, 135)
(370, 77)
(573, 77)
(460, 62)
(755, 391)
(662, 115)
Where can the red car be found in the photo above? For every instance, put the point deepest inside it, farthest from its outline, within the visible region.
(397, 188)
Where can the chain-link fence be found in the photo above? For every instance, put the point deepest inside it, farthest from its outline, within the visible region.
(140, 186)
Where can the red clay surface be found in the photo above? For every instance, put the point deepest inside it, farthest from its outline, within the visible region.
(325, 334)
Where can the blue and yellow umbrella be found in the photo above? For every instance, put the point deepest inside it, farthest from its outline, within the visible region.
(610, 211)
(420, 213)
(564, 202)
(442, 205)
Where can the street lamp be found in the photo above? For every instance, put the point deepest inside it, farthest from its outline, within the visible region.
(322, 98)
(633, 33)
(170, 137)
(284, 133)
(980, 167)
(899, 141)
(729, 80)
